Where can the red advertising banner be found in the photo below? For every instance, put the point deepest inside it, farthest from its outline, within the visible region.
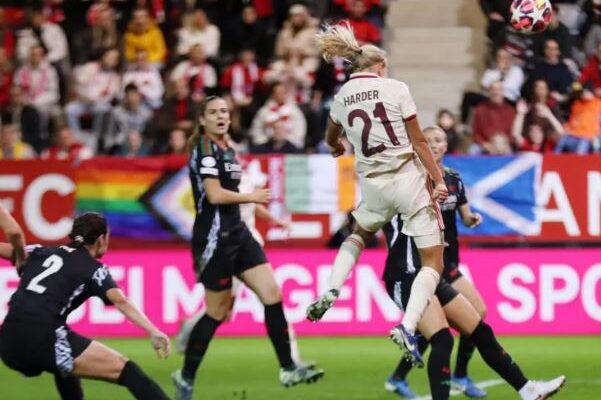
(41, 196)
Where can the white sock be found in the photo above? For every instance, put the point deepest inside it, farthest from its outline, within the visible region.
(294, 351)
(345, 260)
(422, 289)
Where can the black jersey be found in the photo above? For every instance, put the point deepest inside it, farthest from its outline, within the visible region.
(449, 208)
(403, 256)
(209, 161)
(55, 281)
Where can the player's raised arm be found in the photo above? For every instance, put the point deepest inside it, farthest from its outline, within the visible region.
(216, 194)
(160, 341)
(420, 145)
(14, 250)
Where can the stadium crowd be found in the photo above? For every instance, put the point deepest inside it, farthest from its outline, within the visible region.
(125, 77)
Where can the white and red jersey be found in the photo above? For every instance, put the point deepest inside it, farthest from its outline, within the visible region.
(373, 112)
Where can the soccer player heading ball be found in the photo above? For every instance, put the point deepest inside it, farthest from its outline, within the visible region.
(396, 168)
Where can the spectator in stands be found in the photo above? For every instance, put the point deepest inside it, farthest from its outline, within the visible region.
(491, 117)
(7, 36)
(497, 14)
(557, 32)
(97, 85)
(499, 145)
(178, 110)
(535, 130)
(66, 147)
(248, 32)
(38, 31)
(504, 71)
(593, 36)
(25, 118)
(279, 106)
(295, 70)
(278, 133)
(446, 120)
(553, 71)
(582, 128)
(365, 31)
(241, 83)
(6, 79)
(541, 96)
(197, 73)
(147, 79)
(375, 9)
(11, 146)
(198, 30)
(299, 32)
(591, 73)
(143, 34)
(99, 36)
(177, 142)
(133, 147)
(131, 115)
(38, 84)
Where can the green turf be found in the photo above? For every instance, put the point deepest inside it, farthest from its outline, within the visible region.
(245, 369)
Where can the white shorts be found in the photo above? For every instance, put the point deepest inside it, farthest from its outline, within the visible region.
(408, 193)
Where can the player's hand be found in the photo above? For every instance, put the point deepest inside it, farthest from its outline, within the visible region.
(474, 220)
(19, 256)
(161, 344)
(284, 224)
(261, 196)
(440, 192)
(337, 150)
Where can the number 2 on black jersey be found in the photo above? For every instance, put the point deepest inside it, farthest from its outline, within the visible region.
(53, 264)
(380, 113)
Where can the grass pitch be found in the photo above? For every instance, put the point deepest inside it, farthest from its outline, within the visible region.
(356, 368)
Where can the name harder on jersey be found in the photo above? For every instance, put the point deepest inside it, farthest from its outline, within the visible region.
(361, 97)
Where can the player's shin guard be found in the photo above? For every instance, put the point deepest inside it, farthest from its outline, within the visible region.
(139, 384)
(465, 351)
(422, 289)
(439, 372)
(345, 260)
(496, 358)
(200, 337)
(277, 329)
(406, 365)
(69, 387)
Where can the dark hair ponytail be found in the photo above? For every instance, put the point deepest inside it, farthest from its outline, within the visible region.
(87, 228)
(198, 131)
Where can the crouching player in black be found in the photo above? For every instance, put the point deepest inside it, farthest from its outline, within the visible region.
(223, 247)
(34, 337)
(455, 203)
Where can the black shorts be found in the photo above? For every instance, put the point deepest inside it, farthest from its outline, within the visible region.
(451, 272)
(32, 347)
(399, 292)
(234, 253)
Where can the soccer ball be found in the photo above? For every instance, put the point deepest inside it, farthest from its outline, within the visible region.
(530, 16)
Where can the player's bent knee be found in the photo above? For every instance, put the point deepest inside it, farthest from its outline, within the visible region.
(443, 339)
(272, 295)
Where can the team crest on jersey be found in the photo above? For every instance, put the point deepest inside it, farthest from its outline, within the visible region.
(100, 275)
(209, 162)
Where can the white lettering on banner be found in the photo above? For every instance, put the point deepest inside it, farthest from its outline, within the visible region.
(369, 287)
(177, 293)
(512, 291)
(594, 203)
(297, 298)
(8, 281)
(551, 185)
(550, 295)
(590, 302)
(10, 183)
(32, 202)
(338, 313)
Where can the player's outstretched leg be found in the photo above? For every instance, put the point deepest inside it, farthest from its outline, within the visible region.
(69, 386)
(183, 336)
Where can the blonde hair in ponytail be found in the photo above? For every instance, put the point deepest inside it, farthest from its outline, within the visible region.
(339, 41)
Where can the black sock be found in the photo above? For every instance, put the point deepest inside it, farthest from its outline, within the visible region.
(439, 372)
(139, 384)
(69, 387)
(496, 358)
(405, 365)
(200, 337)
(464, 355)
(277, 329)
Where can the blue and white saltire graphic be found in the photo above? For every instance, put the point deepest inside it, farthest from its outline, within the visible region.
(504, 190)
